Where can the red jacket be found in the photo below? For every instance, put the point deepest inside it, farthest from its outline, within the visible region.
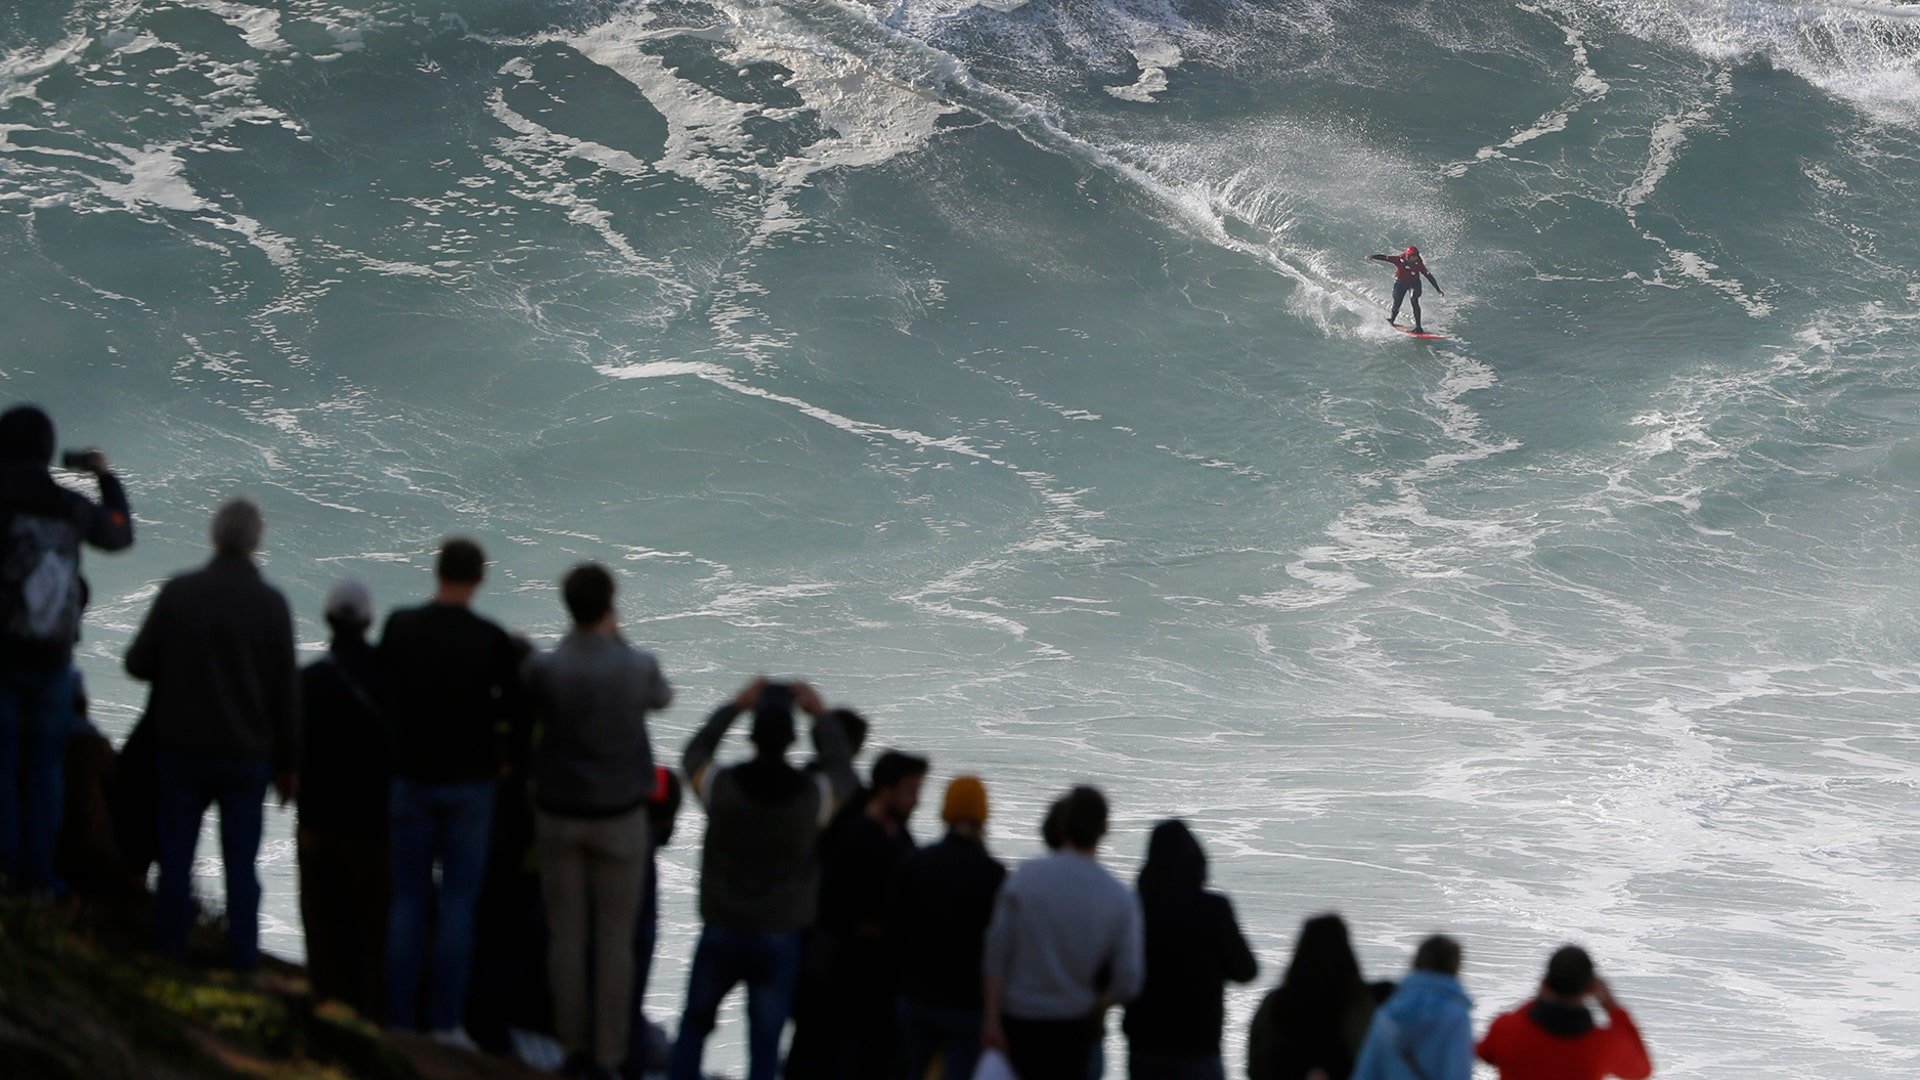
(1407, 268)
(1522, 1050)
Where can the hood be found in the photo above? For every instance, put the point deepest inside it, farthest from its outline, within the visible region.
(1174, 859)
(1423, 996)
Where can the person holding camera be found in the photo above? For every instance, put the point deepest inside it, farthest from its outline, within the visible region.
(759, 866)
(43, 527)
(1553, 1037)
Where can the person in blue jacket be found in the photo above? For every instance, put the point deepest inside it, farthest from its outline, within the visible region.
(1424, 1031)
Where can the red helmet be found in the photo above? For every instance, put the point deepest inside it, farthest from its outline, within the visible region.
(1411, 250)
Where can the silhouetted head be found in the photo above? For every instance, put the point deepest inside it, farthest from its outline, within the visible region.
(1323, 968)
(1438, 953)
(1569, 971)
(349, 607)
(773, 719)
(26, 435)
(588, 591)
(237, 526)
(1083, 818)
(854, 725)
(1053, 827)
(896, 780)
(966, 802)
(1174, 859)
(461, 562)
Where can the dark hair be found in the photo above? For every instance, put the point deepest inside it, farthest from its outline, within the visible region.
(26, 434)
(588, 590)
(773, 718)
(1438, 953)
(1323, 969)
(1053, 827)
(1083, 820)
(854, 725)
(1570, 971)
(893, 767)
(1175, 860)
(461, 562)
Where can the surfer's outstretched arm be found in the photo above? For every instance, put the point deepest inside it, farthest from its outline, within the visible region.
(1436, 285)
(1379, 258)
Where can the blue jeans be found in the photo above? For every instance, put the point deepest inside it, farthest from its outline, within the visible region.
(184, 786)
(952, 1035)
(770, 966)
(451, 825)
(36, 715)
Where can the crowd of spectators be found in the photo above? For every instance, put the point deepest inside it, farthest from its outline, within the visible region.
(478, 821)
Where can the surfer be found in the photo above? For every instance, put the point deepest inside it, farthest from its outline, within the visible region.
(1408, 268)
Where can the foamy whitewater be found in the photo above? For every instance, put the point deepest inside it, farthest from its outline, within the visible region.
(1013, 370)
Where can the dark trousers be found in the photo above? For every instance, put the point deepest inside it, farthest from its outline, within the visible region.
(1050, 1049)
(345, 893)
(185, 785)
(646, 936)
(770, 966)
(36, 715)
(1171, 1067)
(1400, 291)
(930, 1033)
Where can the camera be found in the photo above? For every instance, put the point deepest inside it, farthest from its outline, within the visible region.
(79, 460)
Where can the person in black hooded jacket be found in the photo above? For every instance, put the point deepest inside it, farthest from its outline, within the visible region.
(1194, 947)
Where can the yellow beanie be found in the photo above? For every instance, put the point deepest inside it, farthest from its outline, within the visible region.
(966, 801)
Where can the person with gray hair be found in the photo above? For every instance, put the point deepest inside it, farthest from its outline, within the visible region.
(345, 865)
(217, 649)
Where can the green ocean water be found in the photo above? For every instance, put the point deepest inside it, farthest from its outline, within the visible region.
(1014, 371)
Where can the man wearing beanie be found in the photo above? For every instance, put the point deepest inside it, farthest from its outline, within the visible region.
(937, 913)
(42, 596)
(759, 866)
(346, 869)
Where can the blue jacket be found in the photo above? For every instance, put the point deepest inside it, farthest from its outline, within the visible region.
(1423, 1032)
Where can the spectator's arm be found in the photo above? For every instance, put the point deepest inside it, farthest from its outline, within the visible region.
(284, 678)
(1456, 1042)
(992, 1036)
(835, 751)
(110, 527)
(1241, 966)
(1629, 1060)
(1130, 957)
(659, 693)
(697, 762)
(1495, 1043)
(143, 656)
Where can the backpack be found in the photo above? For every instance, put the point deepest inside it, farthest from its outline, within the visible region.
(42, 594)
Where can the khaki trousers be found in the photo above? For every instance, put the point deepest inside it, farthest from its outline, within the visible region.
(593, 874)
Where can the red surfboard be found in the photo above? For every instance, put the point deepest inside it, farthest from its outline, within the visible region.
(1421, 334)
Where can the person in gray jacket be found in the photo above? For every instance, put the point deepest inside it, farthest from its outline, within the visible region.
(759, 866)
(592, 779)
(1067, 943)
